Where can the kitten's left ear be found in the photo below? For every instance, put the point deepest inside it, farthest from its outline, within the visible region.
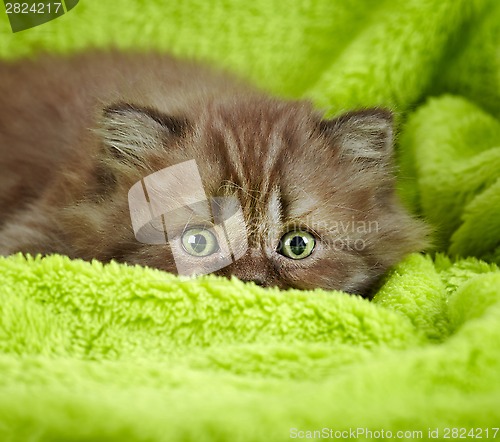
(129, 131)
(365, 135)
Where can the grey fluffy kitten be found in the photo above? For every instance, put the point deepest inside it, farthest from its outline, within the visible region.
(317, 195)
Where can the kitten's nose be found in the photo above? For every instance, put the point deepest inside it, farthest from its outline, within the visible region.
(253, 275)
(258, 280)
(253, 267)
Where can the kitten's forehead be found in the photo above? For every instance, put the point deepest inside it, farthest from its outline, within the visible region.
(266, 152)
(255, 141)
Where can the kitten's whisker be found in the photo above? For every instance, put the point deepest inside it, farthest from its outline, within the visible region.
(248, 192)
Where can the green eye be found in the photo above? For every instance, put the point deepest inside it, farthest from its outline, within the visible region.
(199, 242)
(297, 244)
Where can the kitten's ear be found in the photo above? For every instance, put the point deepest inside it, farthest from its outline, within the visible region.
(365, 135)
(130, 131)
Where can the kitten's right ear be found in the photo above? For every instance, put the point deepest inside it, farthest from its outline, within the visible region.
(129, 132)
(364, 135)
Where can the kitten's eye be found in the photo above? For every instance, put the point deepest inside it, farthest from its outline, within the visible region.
(199, 242)
(297, 244)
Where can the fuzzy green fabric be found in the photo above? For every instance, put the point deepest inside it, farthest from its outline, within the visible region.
(118, 353)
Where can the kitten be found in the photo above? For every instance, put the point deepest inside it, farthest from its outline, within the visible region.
(317, 195)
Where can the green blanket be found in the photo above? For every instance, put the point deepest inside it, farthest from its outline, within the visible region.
(93, 352)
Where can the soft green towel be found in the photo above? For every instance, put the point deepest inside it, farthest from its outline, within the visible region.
(93, 352)
(123, 353)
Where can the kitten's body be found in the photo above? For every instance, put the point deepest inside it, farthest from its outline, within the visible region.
(76, 134)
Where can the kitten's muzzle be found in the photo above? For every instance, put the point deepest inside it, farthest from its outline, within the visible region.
(253, 267)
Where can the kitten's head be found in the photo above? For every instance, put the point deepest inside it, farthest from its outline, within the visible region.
(317, 196)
